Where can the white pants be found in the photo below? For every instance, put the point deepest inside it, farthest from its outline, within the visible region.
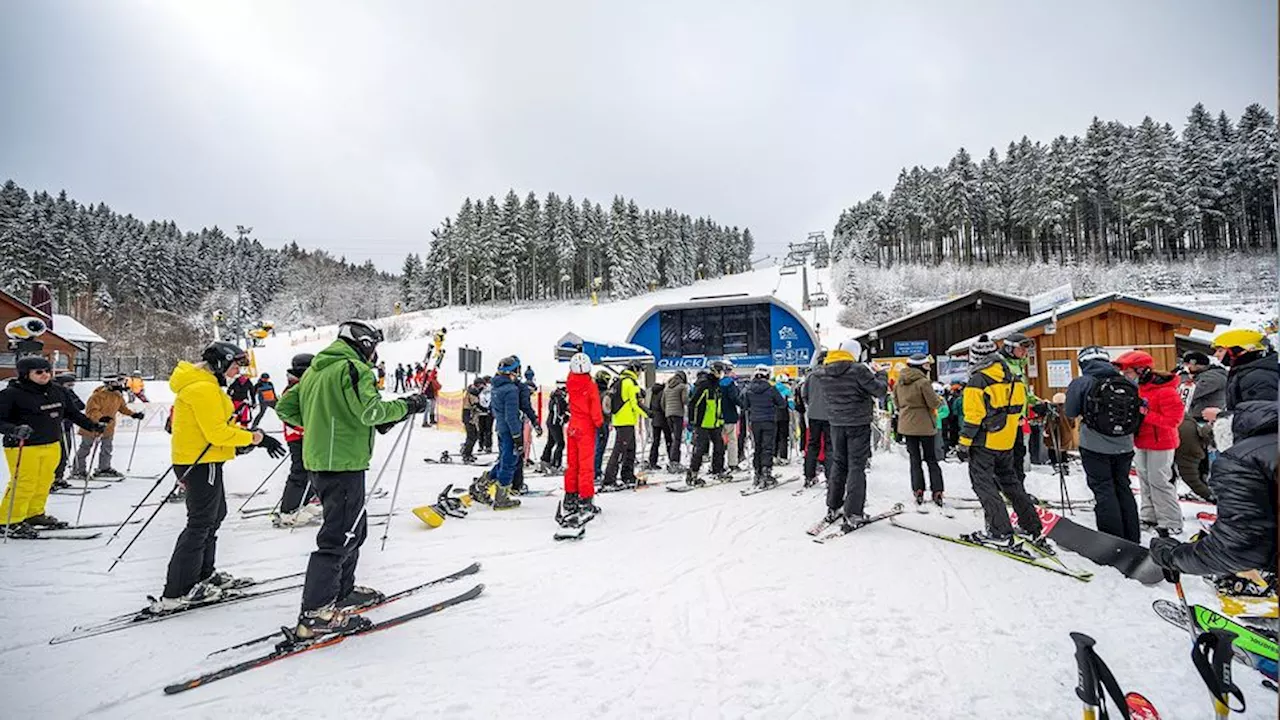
(731, 444)
(1159, 494)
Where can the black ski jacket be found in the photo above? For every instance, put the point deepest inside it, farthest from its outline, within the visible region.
(241, 390)
(43, 407)
(762, 402)
(1256, 379)
(1244, 479)
(558, 408)
(851, 391)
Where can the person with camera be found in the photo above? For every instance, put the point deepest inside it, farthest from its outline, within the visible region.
(32, 408)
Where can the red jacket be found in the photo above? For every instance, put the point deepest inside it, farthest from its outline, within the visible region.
(1159, 430)
(584, 403)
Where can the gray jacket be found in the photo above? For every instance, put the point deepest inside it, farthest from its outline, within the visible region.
(1077, 391)
(815, 400)
(675, 395)
(1210, 391)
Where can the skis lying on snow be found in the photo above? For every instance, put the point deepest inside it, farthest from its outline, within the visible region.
(1130, 558)
(756, 489)
(714, 480)
(471, 569)
(42, 536)
(897, 510)
(289, 648)
(143, 617)
(1026, 556)
(1249, 647)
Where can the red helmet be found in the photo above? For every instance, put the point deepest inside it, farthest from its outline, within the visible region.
(1134, 359)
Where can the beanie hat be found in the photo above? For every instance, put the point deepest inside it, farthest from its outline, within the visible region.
(1196, 357)
(981, 349)
(31, 362)
(919, 360)
(1093, 352)
(853, 347)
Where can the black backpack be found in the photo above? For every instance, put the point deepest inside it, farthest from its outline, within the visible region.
(1113, 407)
(614, 396)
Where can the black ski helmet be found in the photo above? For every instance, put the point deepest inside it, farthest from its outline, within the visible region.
(300, 363)
(27, 363)
(362, 337)
(220, 356)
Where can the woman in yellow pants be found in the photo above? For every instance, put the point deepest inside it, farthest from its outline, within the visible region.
(31, 413)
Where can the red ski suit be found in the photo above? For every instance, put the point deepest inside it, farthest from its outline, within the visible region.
(585, 417)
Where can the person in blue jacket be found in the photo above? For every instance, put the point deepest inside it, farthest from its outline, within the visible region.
(507, 425)
(730, 401)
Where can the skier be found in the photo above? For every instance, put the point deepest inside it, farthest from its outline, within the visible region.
(438, 345)
(851, 388)
(704, 415)
(602, 434)
(240, 390)
(994, 401)
(585, 416)
(105, 402)
(431, 390)
(1209, 389)
(659, 431)
(66, 381)
(730, 402)
(1013, 350)
(1244, 481)
(299, 504)
(31, 413)
(399, 386)
(264, 393)
(624, 402)
(338, 402)
(137, 387)
(382, 376)
(205, 436)
(1106, 457)
(918, 405)
(675, 393)
(762, 402)
(484, 415)
(471, 419)
(557, 416)
(782, 420)
(507, 425)
(818, 441)
(1156, 441)
(1253, 374)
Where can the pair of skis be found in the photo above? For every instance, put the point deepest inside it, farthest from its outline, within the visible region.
(820, 538)
(756, 489)
(1250, 648)
(1027, 553)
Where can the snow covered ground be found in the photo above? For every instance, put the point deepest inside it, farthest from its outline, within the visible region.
(705, 604)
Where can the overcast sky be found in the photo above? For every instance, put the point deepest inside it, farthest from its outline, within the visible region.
(357, 126)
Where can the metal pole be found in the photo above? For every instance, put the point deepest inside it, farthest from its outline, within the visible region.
(376, 481)
(93, 451)
(141, 502)
(157, 510)
(137, 425)
(254, 494)
(395, 491)
(13, 489)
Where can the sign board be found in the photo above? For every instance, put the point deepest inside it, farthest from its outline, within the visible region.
(1051, 299)
(1059, 372)
(952, 370)
(469, 360)
(910, 347)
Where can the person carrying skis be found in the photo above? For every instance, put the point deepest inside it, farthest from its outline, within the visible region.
(298, 503)
(624, 402)
(994, 401)
(585, 416)
(338, 402)
(240, 390)
(264, 394)
(706, 419)
(510, 430)
(1195, 435)
(1108, 418)
(659, 431)
(818, 441)
(762, 401)
(32, 408)
(852, 388)
(105, 402)
(918, 407)
(675, 393)
(1244, 481)
(205, 437)
(1156, 440)
(557, 417)
(66, 381)
(137, 387)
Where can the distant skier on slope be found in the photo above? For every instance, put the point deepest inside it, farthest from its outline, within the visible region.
(240, 390)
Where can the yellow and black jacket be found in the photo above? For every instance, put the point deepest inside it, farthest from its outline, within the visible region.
(993, 402)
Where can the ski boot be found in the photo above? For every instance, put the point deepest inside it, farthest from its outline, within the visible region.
(60, 484)
(810, 481)
(937, 498)
(995, 541)
(479, 489)
(502, 499)
(833, 516)
(20, 531)
(78, 475)
(468, 459)
(567, 510)
(203, 593)
(587, 507)
(853, 522)
(47, 521)
(919, 499)
(769, 480)
(109, 472)
(328, 620)
(360, 598)
(692, 480)
(226, 581)
(675, 468)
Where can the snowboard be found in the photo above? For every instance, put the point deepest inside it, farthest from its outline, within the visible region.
(1130, 558)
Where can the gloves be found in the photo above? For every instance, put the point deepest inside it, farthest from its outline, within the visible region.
(1162, 551)
(414, 404)
(384, 428)
(21, 432)
(962, 453)
(273, 446)
(537, 429)
(138, 415)
(517, 442)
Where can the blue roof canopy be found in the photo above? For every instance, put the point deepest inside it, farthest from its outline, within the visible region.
(601, 353)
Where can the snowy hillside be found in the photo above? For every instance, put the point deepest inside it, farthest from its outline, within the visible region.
(703, 605)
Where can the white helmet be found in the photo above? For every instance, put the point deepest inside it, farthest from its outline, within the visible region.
(580, 363)
(762, 371)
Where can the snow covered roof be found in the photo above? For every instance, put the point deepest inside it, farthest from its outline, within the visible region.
(959, 300)
(1079, 306)
(71, 329)
(599, 351)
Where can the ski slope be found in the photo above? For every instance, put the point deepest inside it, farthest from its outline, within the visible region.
(704, 604)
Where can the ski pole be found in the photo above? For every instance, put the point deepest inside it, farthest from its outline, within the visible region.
(13, 489)
(158, 508)
(306, 490)
(93, 450)
(254, 494)
(1211, 653)
(1182, 598)
(140, 504)
(376, 481)
(137, 425)
(404, 451)
(1086, 676)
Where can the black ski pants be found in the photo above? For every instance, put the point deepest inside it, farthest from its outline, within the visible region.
(1115, 509)
(762, 438)
(298, 489)
(702, 438)
(782, 433)
(484, 425)
(661, 434)
(623, 454)
(1019, 455)
(819, 437)
(195, 554)
(921, 450)
(553, 451)
(473, 434)
(675, 429)
(331, 572)
(991, 473)
(847, 484)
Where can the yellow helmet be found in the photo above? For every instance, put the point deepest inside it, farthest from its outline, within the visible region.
(1243, 338)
